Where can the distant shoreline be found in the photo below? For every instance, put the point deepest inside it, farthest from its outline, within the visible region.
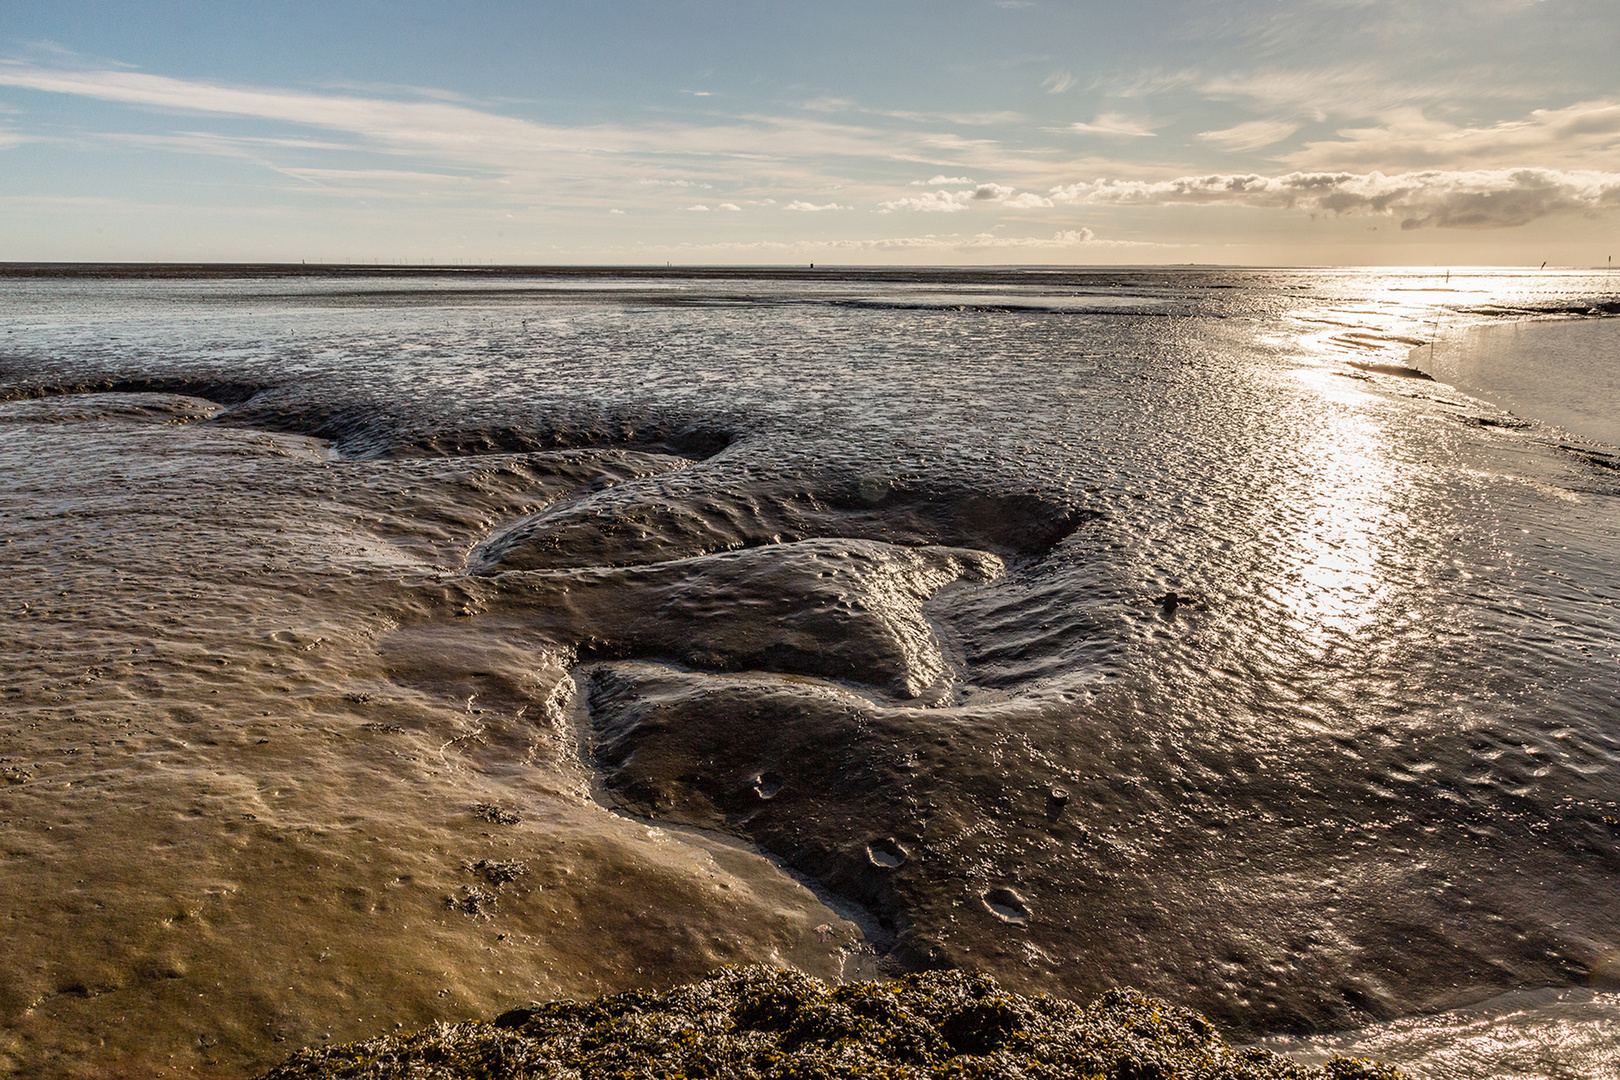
(789, 271)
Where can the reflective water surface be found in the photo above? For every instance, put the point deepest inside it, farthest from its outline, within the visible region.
(399, 648)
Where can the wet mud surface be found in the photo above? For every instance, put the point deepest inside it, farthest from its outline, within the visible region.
(382, 661)
(261, 766)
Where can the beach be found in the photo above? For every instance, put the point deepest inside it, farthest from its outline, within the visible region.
(389, 648)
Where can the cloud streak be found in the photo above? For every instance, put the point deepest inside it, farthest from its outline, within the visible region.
(1115, 125)
(1583, 134)
(784, 150)
(1479, 199)
(1250, 136)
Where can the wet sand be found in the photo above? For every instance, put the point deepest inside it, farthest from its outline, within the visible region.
(340, 700)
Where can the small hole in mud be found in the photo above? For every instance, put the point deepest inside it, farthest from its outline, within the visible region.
(885, 853)
(1007, 906)
(766, 785)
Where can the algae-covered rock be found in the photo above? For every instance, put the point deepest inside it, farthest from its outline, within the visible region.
(747, 1022)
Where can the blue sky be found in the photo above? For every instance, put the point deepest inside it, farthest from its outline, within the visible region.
(957, 131)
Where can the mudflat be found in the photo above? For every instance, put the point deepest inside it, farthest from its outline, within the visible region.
(387, 653)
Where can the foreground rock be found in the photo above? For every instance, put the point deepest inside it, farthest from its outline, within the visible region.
(764, 1022)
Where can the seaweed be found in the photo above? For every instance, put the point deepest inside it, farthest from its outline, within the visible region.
(772, 1024)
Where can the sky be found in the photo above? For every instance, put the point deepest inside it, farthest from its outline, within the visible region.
(1252, 132)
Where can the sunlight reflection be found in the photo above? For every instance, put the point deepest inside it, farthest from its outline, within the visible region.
(1515, 1035)
(1398, 311)
(1343, 553)
(1344, 529)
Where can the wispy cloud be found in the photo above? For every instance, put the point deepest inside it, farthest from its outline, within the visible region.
(1250, 136)
(392, 149)
(1346, 91)
(1145, 83)
(782, 151)
(942, 180)
(1114, 124)
(390, 89)
(423, 124)
(1481, 199)
(344, 176)
(829, 104)
(978, 118)
(1585, 134)
(985, 118)
(811, 208)
(1057, 82)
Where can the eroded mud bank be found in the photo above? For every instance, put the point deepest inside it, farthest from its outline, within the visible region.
(260, 758)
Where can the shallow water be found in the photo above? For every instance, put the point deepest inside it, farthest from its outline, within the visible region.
(1133, 627)
(1564, 373)
(1523, 1035)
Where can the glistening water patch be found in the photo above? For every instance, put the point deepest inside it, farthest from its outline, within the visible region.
(1563, 372)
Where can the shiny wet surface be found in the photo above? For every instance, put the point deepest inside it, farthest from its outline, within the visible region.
(1093, 629)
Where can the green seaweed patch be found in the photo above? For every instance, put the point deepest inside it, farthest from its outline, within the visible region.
(495, 815)
(766, 1023)
(497, 872)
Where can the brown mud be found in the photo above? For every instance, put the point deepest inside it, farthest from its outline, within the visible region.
(476, 665)
(263, 766)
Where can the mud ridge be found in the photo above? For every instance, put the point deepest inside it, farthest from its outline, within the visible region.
(368, 430)
(673, 518)
(1598, 458)
(1601, 307)
(840, 609)
(806, 771)
(225, 392)
(364, 429)
(1400, 371)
